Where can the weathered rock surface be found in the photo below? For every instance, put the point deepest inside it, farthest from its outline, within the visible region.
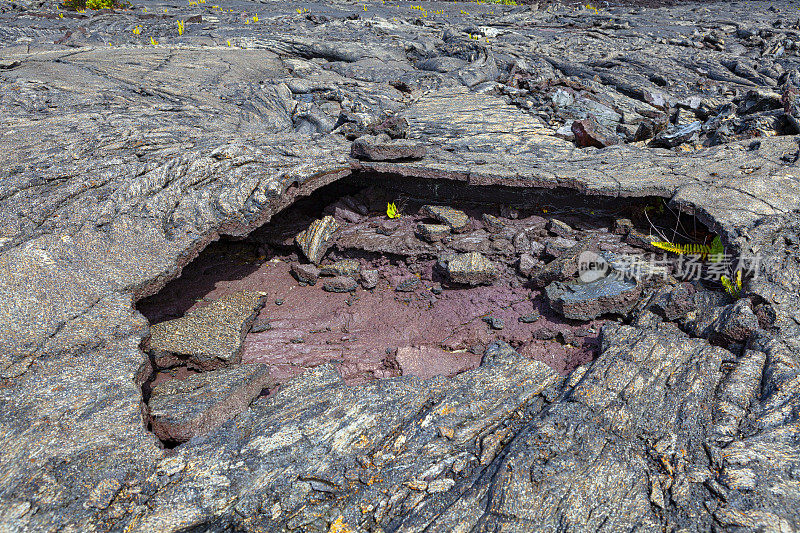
(457, 220)
(313, 242)
(432, 232)
(429, 361)
(305, 273)
(182, 409)
(340, 284)
(209, 336)
(384, 148)
(585, 301)
(120, 160)
(471, 269)
(345, 267)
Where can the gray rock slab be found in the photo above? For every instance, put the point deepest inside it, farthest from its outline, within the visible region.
(585, 301)
(182, 409)
(120, 160)
(209, 336)
(472, 268)
(313, 242)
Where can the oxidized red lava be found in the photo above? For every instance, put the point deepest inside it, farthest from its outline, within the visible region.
(380, 333)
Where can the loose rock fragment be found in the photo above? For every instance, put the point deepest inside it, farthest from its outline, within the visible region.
(340, 284)
(305, 273)
(369, 278)
(494, 322)
(345, 267)
(670, 139)
(383, 148)
(565, 266)
(472, 269)
(526, 264)
(458, 221)
(589, 132)
(530, 318)
(182, 409)
(561, 229)
(209, 336)
(493, 223)
(313, 242)
(432, 232)
(555, 247)
(590, 300)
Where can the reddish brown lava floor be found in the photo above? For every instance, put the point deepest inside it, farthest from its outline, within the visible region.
(436, 329)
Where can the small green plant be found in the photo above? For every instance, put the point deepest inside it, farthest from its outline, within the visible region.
(713, 253)
(733, 288)
(391, 211)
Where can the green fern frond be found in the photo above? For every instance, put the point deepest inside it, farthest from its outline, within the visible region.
(713, 252)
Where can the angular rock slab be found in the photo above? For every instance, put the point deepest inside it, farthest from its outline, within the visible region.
(210, 336)
(471, 269)
(182, 409)
(313, 242)
(383, 148)
(585, 301)
(457, 220)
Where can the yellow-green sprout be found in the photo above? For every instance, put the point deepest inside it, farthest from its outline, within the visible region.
(733, 288)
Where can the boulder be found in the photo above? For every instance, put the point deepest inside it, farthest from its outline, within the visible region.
(589, 132)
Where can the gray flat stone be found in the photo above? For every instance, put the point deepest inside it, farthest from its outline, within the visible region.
(585, 301)
(457, 220)
(210, 336)
(182, 409)
(471, 269)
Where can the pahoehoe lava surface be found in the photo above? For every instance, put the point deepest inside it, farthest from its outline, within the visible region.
(124, 154)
